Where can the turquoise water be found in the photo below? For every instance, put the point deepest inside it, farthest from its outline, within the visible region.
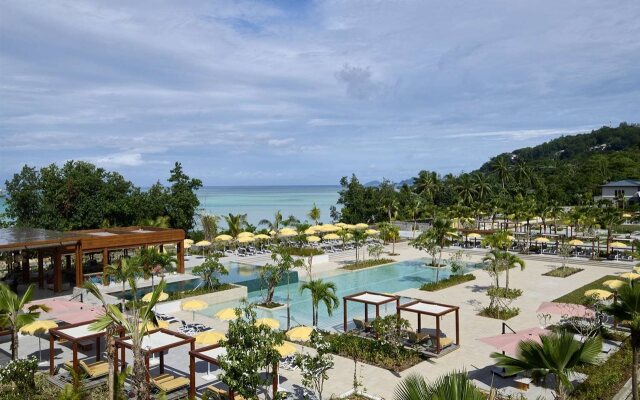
(386, 279)
(261, 202)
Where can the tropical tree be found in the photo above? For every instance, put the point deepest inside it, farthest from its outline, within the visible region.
(414, 209)
(209, 270)
(389, 233)
(314, 214)
(466, 189)
(558, 354)
(502, 169)
(455, 385)
(426, 184)
(498, 240)
(499, 261)
(434, 239)
(209, 224)
(272, 274)
(13, 314)
(122, 271)
(134, 324)
(626, 310)
(358, 236)
(321, 292)
(274, 225)
(152, 262)
(236, 223)
(313, 368)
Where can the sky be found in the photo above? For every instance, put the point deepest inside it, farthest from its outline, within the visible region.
(304, 92)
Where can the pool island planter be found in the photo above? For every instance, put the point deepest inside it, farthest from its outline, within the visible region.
(276, 308)
(319, 259)
(346, 395)
(237, 292)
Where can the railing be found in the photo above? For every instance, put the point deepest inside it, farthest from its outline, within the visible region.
(78, 295)
(505, 327)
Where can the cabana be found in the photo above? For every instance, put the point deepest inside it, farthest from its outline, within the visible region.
(75, 334)
(422, 307)
(211, 354)
(367, 298)
(158, 341)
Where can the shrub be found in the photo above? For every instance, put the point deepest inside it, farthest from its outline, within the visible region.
(504, 293)
(21, 373)
(367, 264)
(302, 251)
(563, 272)
(499, 312)
(448, 282)
(199, 291)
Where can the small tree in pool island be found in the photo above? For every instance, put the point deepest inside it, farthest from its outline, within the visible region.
(272, 274)
(434, 240)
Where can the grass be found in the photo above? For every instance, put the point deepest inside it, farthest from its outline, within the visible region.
(197, 292)
(448, 282)
(563, 272)
(367, 264)
(504, 293)
(502, 313)
(578, 297)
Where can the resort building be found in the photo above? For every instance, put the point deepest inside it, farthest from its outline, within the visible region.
(72, 257)
(627, 188)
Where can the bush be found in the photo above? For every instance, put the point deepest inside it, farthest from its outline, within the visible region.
(302, 251)
(21, 373)
(563, 272)
(448, 282)
(499, 312)
(504, 293)
(199, 291)
(367, 264)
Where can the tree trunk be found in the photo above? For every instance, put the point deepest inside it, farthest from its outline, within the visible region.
(109, 343)
(506, 283)
(635, 344)
(14, 343)
(270, 293)
(141, 387)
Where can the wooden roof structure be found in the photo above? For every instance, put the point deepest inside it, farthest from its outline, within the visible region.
(75, 334)
(437, 310)
(368, 298)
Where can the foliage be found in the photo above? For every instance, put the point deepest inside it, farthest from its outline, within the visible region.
(199, 291)
(250, 348)
(389, 233)
(367, 264)
(14, 315)
(499, 261)
(447, 282)
(209, 270)
(390, 331)
(321, 292)
(563, 272)
(434, 240)
(455, 385)
(209, 224)
(20, 372)
(79, 195)
(504, 293)
(314, 214)
(558, 354)
(272, 274)
(498, 311)
(375, 250)
(313, 368)
(302, 251)
(236, 223)
(577, 296)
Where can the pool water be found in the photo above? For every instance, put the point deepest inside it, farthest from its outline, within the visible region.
(385, 279)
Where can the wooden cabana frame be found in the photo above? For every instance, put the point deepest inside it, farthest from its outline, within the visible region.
(122, 343)
(201, 354)
(64, 333)
(368, 298)
(437, 310)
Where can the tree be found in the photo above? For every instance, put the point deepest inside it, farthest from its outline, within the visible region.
(313, 368)
(321, 292)
(455, 385)
(314, 214)
(389, 233)
(250, 348)
(152, 262)
(274, 225)
(183, 202)
(499, 261)
(134, 324)
(414, 209)
(558, 354)
(434, 240)
(209, 270)
(236, 223)
(13, 314)
(390, 332)
(375, 250)
(358, 236)
(123, 271)
(502, 169)
(626, 310)
(426, 184)
(272, 274)
(209, 224)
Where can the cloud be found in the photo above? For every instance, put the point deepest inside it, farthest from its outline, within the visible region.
(280, 142)
(358, 82)
(118, 160)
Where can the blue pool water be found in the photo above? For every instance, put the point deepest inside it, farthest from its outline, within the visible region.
(386, 279)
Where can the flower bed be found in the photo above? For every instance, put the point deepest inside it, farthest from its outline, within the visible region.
(448, 282)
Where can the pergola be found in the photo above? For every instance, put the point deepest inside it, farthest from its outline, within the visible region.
(24, 242)
(158, 341)
(368, 298)
(75, 334)
(422, 307)
(211, 354)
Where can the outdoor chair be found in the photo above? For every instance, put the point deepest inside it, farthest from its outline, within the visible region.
(170, 383)
(417, 337)
(222, 393)
(361, 325)
(96, 369)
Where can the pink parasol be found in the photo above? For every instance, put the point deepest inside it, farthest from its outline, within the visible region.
(509, 342)
(62, 309)
(566, 310)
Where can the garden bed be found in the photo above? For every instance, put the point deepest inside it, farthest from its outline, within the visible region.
(367, 264)
(303, 251)
(504, 293)
(578, 297)
(563, 272)
(199, 291)
(453, 280)
(502, 313)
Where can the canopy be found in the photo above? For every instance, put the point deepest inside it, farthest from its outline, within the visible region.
(246, 239)
(361, 225)
(69, 311)
(618, 245)
(310, 231)
(188, 241)
(287, 232)
(186, 246)
(371, 232)
(262, 236)
(244, 234)
(300, 333)
(327, 228)
(223, 238)
(331, 236)
(630, 275)
(209, 337)
(598, 294)
(203, 243)
(269, 322)
(227, 314)
(509, 342)
(566, 309)
(313, 239)
(474, 236)
(614, 284)
(286, 349)
(576, 242)
(147, 297)
(541, 240)
(193, 305)
(36, 327)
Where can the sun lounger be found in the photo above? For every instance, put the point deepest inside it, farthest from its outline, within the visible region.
(170, 383)
(95, 370)
(361, 324)
(222, 393)
(417, 337)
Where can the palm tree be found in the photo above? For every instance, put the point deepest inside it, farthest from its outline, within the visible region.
(627, 311)
(502, 169)
(324, 292)
(453, 386)
(13, 314)
(158, 222)
(426, 184)
(558, 354)
(274, 225)
(389, 233)
(482, 186)
(209, 224)
(414, 209)
(522, 174)
(151, 262)
(134, 325)
(437, 237)
(122, 271)
(314, 214)
(236, 223)
(500, 260)
(466, 189)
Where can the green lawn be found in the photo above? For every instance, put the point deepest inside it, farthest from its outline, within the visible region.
(577, 296)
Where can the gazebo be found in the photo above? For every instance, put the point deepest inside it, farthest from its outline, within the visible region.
(158, 341)
(437, 310)
(75, 334)
(368, 298)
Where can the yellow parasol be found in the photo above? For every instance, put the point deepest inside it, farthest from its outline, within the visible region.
(262, 236)
(576, 242)
(618, 245)
(245, 234)
(310, 231)
(299, 333)
(626, 215)
(227, 314)
(38, 327)
(313, 239)
(331, 236)
(630, 275)
(193, 306)
(186, 246)
(598, 294)
(246, 239)
(286, 349)
(371, 232)
(209, 337)
(614, 284)
(223, 238)
(341, 224)
(188, 241)
(203, 243)
(361, 225)
(284, 232)
(327, 228)
(474, 236)
(541, 240)
(147, 297)
(268, 322)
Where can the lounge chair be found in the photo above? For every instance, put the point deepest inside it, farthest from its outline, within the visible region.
(361, 325)
(95, 370)
(169, 383)
(445, 342)
(417, 337)
(222, 393)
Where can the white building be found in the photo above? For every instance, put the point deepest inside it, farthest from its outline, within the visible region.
(628, 188)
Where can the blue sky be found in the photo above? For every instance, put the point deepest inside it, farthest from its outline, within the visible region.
(267, 92)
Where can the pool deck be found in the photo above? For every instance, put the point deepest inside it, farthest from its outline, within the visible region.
(473, 355)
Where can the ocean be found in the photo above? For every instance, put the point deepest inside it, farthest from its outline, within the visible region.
(261, 202)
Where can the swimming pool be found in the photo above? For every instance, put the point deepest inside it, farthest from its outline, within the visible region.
(386, 279)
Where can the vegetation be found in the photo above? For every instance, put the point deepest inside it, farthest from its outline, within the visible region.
(504, 293)
(321, 292)
(199, 291)
(272, 274)
(80, 195)
(14, 315)
(577, 296)
(390, 332)
(209, 223)
(499, 312)
(368, 264)
(433, 241)
(447, 282)
(209, 271)
(563, 272)
(558, 354)
(389, 233)
(302, 251)
(313, 368)
(455, 385)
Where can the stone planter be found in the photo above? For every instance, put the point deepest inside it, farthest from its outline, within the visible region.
(237, 292)
(319, 259)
